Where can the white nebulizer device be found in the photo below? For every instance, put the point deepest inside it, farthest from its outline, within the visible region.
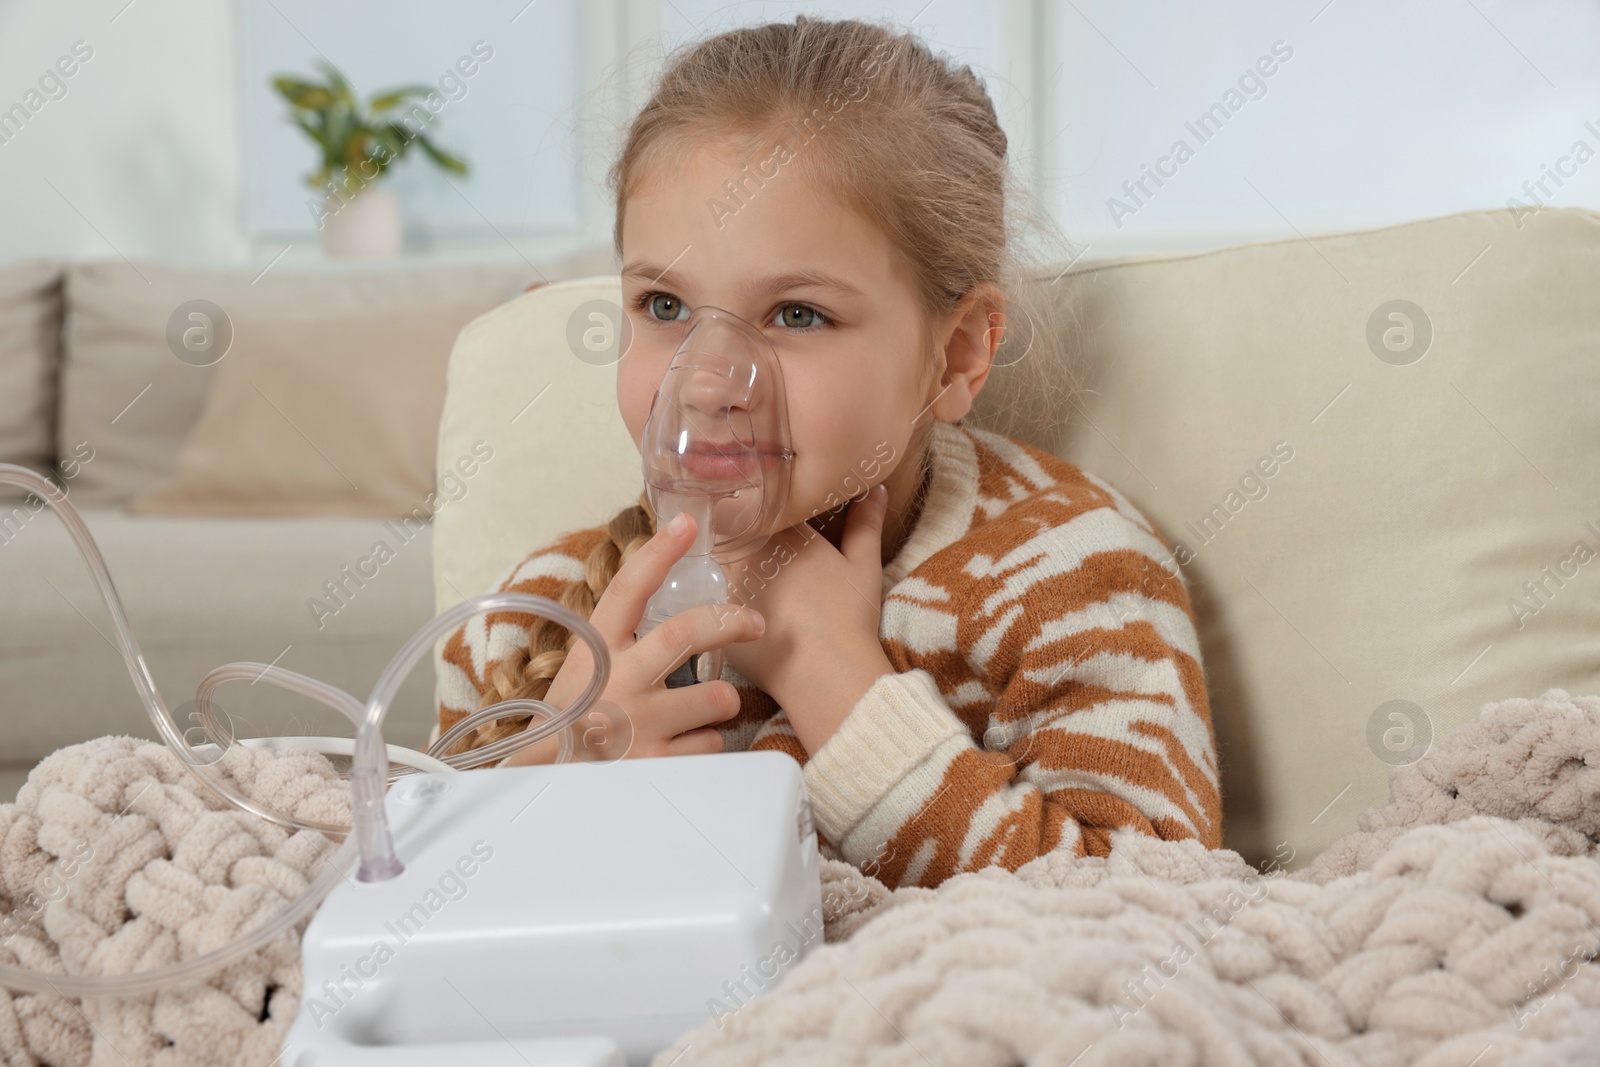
(715, 445)
(581, 914)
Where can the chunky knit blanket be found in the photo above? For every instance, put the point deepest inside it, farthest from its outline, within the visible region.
(114, 859)
(1456, 927)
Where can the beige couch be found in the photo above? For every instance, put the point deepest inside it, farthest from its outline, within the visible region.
(94, 395)
(1365, 490)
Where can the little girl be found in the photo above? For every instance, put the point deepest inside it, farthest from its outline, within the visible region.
(978, 661)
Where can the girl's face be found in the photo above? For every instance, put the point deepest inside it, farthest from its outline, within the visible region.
(821, 283)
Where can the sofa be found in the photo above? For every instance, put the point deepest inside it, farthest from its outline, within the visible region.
(1371, 456)
(1423, 551)
(1372, 453)
(104, 388)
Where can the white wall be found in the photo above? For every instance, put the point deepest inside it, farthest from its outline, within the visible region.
(1382, 112)
(1386, 111)
(143, 157)
(141, 153)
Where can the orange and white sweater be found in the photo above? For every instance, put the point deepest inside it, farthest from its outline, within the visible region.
(1048, 686)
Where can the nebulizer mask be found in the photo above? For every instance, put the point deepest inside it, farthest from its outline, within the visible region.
(715, 445)
(608, 907)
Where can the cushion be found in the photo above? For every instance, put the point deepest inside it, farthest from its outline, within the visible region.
(1370, 453)
(330, 415)
(30, 347)
(558, 456)
(1363, 447)
(126, 391)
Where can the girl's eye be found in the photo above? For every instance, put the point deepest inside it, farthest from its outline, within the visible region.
(809, 317)
(664, 302)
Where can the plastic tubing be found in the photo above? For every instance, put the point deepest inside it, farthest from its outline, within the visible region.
(369, 849)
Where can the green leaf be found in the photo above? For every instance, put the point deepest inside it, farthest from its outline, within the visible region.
(354, 146)
(388, 100)
(313, 132)
(395, 143)
(301, 93)
(401, 132)
(355, 151)
(342, 127)
(444, 159)
(341, 88)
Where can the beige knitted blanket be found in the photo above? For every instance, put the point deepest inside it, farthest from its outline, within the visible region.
(1455, 927)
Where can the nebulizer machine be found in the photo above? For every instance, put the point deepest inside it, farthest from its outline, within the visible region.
(608, 908)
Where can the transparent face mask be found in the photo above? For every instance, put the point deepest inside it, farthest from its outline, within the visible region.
(717, 437)
(716, 446)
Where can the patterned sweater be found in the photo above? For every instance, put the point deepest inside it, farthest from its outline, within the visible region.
(1048, 684)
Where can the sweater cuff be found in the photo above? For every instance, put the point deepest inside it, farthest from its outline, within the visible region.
(896, 725)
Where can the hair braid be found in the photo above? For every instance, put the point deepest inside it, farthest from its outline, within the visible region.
(527, 671)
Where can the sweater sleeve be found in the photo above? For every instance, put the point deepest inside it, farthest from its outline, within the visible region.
(1102, 722)
(473, 650)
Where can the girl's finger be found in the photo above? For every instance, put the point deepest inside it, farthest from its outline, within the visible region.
(690, 632)
(863, 527)
(622, 605)
(705, 742)
(677, 711)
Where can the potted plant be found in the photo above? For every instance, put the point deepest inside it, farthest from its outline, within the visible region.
(358, 145)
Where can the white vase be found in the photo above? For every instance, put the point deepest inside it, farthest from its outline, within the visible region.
(367, 226)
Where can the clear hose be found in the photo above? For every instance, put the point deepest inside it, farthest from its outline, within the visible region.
(369, 850)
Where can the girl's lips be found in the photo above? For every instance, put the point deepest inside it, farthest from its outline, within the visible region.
(735, 464)
(696, 445)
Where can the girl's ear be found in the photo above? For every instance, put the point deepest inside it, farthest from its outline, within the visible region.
(972, 331)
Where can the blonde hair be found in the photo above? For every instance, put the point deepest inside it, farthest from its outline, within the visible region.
(903, 137)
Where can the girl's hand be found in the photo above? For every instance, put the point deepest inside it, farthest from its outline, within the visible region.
(822, 604)
(654, 720)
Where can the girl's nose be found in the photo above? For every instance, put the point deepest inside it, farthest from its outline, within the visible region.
(714, 394)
